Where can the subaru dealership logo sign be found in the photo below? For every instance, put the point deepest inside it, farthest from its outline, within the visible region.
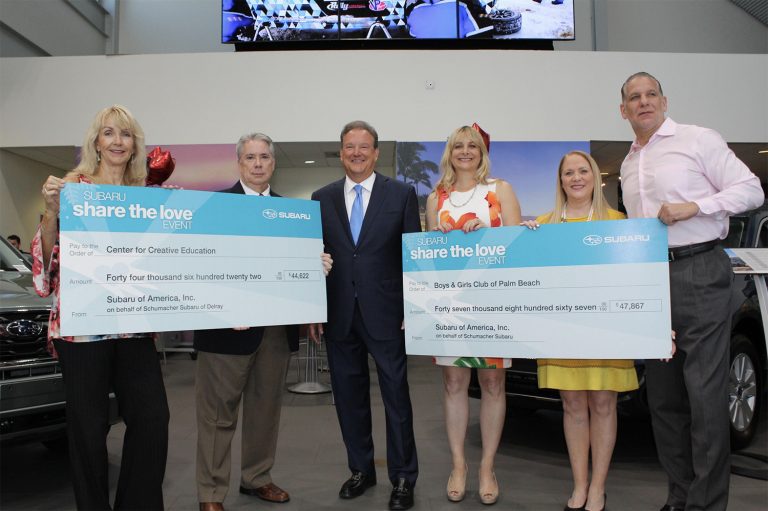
(592, 240)
(269, 214)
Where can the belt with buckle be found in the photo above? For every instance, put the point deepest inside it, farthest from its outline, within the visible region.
(691, 250)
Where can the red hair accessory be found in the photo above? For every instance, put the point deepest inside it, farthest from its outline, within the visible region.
(485, 136)
(160, 165)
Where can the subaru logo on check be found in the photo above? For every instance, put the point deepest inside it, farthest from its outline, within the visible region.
(269, 214)
(24, 329)
(592, 240)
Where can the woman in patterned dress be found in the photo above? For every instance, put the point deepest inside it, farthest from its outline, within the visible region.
(467, 199)
(113, 153)
(588, 388)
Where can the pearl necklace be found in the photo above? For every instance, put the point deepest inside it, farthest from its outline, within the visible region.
(564, 217)
(474, 189)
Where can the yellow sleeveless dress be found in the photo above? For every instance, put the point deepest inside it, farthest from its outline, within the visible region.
(566, 374)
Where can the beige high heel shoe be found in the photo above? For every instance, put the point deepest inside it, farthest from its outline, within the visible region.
(489, 496)
(456, 489)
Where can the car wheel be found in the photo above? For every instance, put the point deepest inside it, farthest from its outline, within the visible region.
(744, 391)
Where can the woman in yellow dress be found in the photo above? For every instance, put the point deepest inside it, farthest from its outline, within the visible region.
(588, 388)
(466, 198)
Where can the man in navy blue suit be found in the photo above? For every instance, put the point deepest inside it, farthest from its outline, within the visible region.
(364, 216)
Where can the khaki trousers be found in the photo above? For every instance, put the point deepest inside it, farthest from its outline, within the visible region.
(221, 381)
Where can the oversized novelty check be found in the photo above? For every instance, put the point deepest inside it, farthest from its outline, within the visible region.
(151, 259)
(579, 290)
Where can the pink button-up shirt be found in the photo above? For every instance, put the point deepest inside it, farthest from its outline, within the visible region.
(685, 163)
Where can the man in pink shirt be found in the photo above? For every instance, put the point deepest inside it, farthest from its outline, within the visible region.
(689, 179)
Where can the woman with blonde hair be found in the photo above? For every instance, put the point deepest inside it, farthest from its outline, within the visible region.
(588, 388)
(113, 153)
(467, 198)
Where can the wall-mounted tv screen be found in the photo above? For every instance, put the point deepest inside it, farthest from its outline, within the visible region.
(286, 21)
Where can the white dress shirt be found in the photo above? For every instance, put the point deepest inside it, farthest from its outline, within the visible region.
(685, 163)
(251, 191)
(350, 194)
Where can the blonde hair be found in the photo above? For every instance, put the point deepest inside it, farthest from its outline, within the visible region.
(136, 170)
(599, 205)
(448, 177)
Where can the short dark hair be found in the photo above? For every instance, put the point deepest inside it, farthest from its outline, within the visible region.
(638, 75)
(360, 125)
(14, 237)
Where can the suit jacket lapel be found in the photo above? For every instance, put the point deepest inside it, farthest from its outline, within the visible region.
(236, 188)
(341, 208)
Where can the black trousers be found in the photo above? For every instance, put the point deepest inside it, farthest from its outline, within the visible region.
(131, 368)
(348, 363)
(688, 396)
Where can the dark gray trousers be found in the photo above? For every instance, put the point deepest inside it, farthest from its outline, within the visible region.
(688, 396)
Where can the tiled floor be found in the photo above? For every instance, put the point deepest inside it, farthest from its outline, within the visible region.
(532, 466)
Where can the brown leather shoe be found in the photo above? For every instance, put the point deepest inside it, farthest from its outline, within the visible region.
(269, 492)
(211, 506)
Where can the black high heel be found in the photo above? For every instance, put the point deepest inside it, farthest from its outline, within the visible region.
(582, 508)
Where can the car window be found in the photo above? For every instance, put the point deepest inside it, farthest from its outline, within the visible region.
(762, 235)
(736, 232)
(11, 260)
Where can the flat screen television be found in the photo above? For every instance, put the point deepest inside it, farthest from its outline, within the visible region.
(262, 24)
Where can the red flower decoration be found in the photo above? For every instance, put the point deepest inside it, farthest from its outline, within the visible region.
(160, 165)
(485, 136)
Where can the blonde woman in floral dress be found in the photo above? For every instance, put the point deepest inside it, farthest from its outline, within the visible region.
(113, 153)
(467, 198)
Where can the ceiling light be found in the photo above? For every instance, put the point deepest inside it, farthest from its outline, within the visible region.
(603, 184)
(764, 151)
(604, 174)
(309, 161)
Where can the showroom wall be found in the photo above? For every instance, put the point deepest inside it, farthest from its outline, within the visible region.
(93, 27)
(200, 98)
(56, 27)
(307, 96)
(680, 26)
(20, 201)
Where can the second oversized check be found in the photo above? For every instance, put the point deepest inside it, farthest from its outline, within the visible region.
(151, 260)
(580, 290)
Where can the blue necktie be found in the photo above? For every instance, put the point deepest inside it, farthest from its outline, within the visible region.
(356, 217)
